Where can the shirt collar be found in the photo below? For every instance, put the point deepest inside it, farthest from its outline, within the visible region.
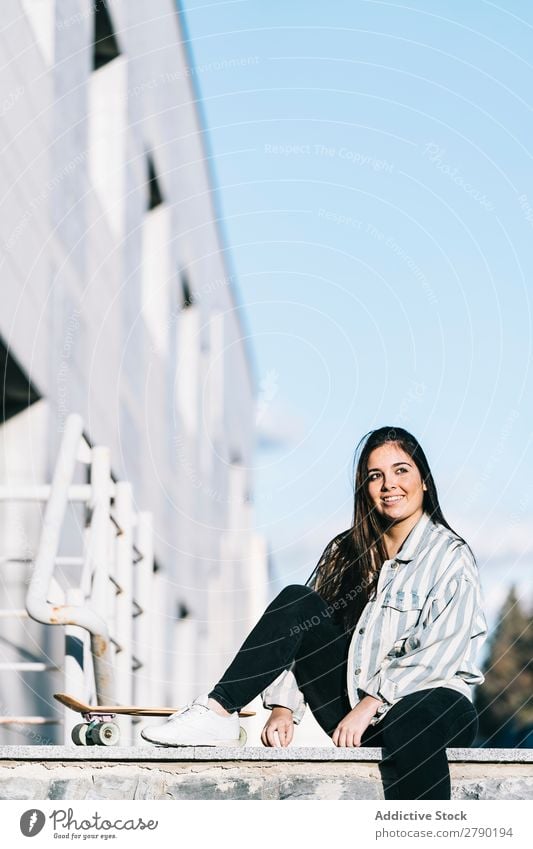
(415, 538)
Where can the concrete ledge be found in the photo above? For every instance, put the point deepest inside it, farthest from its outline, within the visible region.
(245, 753)
(61, 772)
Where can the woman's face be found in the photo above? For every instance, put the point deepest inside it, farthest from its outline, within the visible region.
(394, 483)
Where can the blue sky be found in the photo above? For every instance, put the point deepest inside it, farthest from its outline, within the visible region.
(374, 171)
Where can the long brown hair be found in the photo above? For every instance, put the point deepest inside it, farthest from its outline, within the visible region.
(346, 574)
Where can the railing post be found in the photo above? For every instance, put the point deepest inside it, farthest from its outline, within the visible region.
(124, 599)
(37, 603)
(99, 556)
(77, 651)
(160, 643)
(99, 527)
(143, 691)
(184, 660)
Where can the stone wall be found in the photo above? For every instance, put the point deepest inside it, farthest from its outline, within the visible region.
(56, 772)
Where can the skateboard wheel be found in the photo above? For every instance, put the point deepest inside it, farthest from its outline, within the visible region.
(79, 734)
(242, 737)
(104, 734)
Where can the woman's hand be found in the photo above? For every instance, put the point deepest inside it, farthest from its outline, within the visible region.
(350, 729)
(279, 728)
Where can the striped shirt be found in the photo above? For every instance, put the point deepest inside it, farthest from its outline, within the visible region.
(422, 627)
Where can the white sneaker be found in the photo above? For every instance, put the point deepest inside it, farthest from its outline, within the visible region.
(196, 725)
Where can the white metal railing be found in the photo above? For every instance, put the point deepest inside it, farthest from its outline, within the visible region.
(37, 604)
(107, 613)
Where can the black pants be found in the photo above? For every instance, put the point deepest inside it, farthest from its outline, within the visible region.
(298, 626)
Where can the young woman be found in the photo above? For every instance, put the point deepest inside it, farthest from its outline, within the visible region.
(381, 642)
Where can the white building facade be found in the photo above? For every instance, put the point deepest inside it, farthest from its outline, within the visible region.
(117, 304)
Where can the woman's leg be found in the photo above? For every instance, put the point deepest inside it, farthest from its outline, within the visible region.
(321, 668)
(296, 626)
(414, 735)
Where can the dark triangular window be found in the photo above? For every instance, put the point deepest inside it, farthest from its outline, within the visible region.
(187, 299)
(155, 196)
(105, 41)
(18, 392)
(182, 611)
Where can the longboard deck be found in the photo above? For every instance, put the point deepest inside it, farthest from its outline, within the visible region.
(127, 710)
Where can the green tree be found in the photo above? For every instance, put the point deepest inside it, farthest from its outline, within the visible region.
(504, 701)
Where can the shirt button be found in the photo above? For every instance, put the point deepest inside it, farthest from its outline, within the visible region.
(361, 630)
(394, 565)
(357, 671)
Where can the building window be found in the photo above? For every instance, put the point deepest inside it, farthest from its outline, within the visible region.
(188, 358)
(18, 392)
(105, 41)
(182, 611)
(187, 299)
(155, 195)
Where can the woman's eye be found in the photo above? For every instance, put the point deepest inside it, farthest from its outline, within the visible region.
(375, 475)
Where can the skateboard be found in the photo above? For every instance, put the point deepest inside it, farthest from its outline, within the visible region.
(99, 728)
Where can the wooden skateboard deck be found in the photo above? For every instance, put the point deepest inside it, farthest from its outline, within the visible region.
(99, 729)
(127, 710)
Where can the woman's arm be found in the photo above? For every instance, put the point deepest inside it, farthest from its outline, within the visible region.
(352, 727)
(284, 692)
(279, 727)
